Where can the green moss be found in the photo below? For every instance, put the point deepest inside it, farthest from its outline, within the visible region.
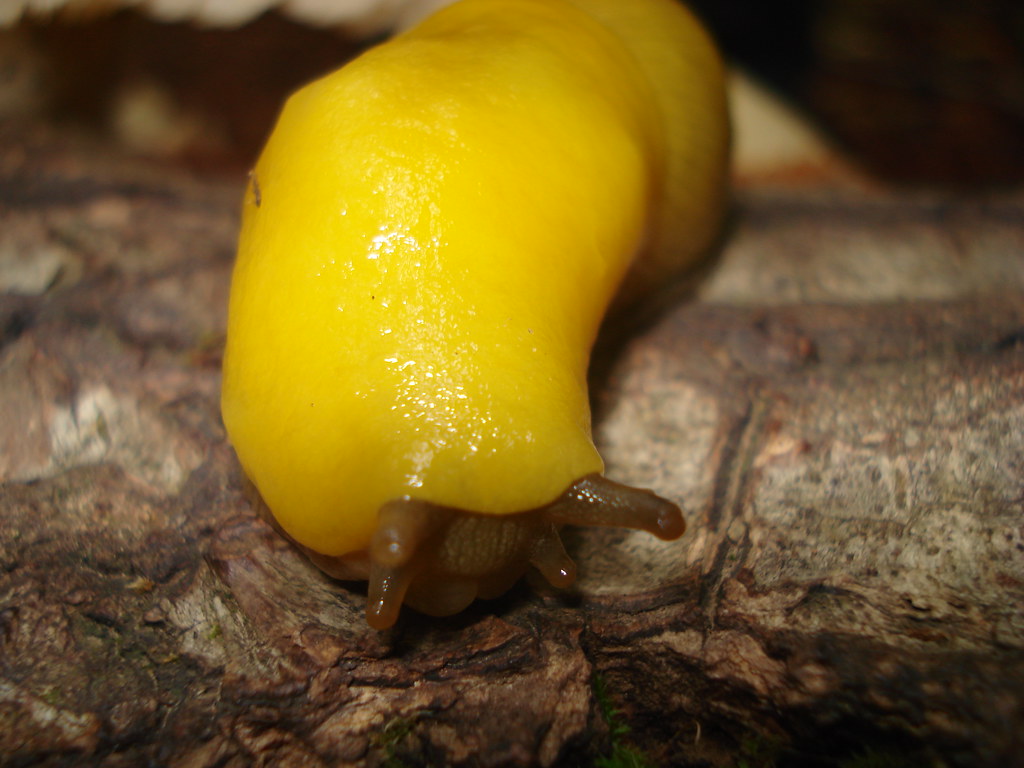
(52, 696)
(621, 755)
(390, 738)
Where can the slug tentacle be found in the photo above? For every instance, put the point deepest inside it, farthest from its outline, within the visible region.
(596, 500)
(387, 589)
(403, 526)
(550, 558)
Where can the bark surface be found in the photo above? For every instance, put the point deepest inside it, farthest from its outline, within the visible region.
(839, 406)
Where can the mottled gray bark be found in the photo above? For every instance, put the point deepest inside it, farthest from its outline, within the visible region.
(840, 409)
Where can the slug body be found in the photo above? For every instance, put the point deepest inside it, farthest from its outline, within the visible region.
(430, 240)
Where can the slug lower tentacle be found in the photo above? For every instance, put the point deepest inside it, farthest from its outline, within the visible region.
(429, 242)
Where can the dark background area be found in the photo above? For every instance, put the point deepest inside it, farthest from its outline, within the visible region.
(916, 92)
(919, 91)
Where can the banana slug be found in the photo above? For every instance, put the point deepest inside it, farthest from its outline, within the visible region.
(430, 239)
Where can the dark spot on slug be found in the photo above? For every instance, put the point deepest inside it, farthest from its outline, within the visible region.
(257, 196)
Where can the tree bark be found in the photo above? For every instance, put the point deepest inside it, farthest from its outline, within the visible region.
(839, 406)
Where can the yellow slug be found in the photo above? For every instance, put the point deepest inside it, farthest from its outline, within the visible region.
(429, 242)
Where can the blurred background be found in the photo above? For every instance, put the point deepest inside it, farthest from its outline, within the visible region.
(917, 92)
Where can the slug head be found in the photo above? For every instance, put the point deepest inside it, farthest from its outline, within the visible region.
(439, 559)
